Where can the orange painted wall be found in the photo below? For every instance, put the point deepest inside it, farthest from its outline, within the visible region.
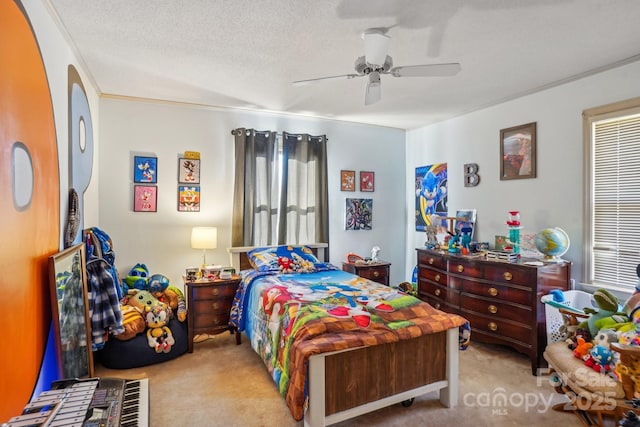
(29, 231)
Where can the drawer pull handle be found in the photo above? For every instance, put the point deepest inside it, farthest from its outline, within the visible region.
(376, 273)
(493, 309)
(437, 278)
(437, 306)
(460, 268)
(493, 326)
(508, 276)
(431, 261)
(437, 292)
(493, 292)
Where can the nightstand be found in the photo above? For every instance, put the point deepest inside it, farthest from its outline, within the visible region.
(209, 306)
(377, 271)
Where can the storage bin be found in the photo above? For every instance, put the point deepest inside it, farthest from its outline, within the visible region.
(575, 300)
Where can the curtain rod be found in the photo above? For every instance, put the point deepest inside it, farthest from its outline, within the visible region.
(234, 132)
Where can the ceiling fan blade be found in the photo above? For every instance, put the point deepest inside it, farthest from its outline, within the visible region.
(309, 81)
(374, 90)
(427, 70)
(376, 45)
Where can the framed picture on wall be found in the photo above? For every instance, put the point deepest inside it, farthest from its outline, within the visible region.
(189, 198)
(188, 171)
(347, 180)
(145, 169)
(145, 198)
(518, 152)
(367, 181)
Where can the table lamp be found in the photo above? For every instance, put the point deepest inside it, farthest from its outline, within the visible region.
(204, 238)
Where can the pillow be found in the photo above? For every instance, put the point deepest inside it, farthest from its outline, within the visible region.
(266, 259)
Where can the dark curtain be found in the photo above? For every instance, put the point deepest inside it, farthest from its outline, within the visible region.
(280, 193)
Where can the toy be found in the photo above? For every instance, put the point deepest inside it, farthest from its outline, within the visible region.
(453, 242)
(174, 298)
(599, 359)
(465, 240)
(159, 336)
(582, 348)
(607, 315)
(132, 321)
(143, 301)
(137, 278)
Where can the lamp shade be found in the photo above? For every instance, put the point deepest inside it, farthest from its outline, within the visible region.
(204, 237)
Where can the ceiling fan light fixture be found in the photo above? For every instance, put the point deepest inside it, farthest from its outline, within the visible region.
(374, 89)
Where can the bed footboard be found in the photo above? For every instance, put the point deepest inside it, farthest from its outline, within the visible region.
(350, 383)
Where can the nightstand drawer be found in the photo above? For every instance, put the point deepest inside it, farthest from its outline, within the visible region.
(208, 320)
(212, 305)
(214, 291)
(375, 273)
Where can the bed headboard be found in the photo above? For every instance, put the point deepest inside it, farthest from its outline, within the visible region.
(240, 261)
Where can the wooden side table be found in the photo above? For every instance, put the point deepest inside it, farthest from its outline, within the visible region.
(209, 307)
(376, 271)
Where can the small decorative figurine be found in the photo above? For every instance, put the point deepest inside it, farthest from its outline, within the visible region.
(374, 253)
(514, 231)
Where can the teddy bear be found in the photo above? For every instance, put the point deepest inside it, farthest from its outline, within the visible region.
(159, 335)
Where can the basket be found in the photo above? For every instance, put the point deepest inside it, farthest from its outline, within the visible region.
(577, 300)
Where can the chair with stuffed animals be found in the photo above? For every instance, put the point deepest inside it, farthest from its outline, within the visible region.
(595, 360)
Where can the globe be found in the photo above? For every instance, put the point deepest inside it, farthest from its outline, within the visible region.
(553, 243)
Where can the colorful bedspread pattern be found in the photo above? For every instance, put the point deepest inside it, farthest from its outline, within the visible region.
(290, 317)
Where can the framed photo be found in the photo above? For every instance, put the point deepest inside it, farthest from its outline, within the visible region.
(367, 181)
(188, 171)
(145, 198)
(518, 152)
(145, 170)
(358, 214)
(189, 198)
(347, 180)
(466, 218)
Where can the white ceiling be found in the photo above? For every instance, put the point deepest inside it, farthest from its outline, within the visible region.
(245, 53)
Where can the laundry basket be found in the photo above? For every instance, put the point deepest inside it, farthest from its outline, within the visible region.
(575, 300)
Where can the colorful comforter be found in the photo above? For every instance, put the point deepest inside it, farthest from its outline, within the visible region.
(290, 317)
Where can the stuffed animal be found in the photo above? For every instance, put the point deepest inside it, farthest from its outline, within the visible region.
(606, 316)
(159, 335)
(170, 295)
(132, 321)
(143, 301)
(137, 278)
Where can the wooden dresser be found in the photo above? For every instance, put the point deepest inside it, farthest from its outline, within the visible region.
(500, 299)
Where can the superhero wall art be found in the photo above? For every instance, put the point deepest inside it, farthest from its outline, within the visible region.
(431, 193)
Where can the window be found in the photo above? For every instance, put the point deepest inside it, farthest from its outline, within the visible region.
(613, 195)
(280, 193)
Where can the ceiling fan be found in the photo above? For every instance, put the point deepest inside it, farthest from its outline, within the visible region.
(376, 62)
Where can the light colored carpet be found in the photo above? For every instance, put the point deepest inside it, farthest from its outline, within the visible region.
(221, 384)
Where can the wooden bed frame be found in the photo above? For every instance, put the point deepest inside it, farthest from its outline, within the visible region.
(349, 383)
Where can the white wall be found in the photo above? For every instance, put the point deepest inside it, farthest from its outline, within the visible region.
(555, 198)
(161, 240)
(57, 55)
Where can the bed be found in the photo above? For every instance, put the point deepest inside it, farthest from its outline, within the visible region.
(338, 345)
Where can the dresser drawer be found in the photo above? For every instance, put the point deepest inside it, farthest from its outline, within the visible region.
(441, 293)
(511, 274)
(213, 291)
(431, 260)
(439, 304)
(500, 330)
(435, 276)
(467, 268)
(496, 292)
(496, 309)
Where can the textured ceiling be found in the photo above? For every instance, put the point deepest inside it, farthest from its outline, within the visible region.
(245, 53)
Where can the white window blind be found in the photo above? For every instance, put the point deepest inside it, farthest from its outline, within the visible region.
(615, 202)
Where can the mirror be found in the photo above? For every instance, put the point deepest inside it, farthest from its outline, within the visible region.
(69, 307)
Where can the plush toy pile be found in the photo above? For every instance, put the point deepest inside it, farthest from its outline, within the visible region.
(148, 304)
(591, 338)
